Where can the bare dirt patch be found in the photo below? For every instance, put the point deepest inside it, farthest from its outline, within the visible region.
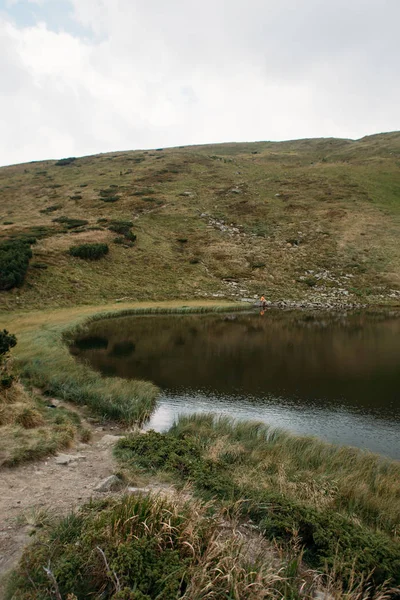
(30, 491)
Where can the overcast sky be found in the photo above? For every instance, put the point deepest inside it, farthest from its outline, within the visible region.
(80, 77)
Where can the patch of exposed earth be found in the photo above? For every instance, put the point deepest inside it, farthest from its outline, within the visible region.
(57, 485)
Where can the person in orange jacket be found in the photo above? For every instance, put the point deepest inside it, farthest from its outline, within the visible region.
(263, 302)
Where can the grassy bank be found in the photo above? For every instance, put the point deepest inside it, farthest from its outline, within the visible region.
(44, 361)
(341, 505)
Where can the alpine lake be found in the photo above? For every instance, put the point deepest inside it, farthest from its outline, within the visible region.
(331, 375)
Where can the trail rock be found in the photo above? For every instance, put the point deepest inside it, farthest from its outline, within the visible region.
(139, 490)
(66, 459)
(109, 484)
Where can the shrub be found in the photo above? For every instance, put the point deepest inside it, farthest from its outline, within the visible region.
(6, 380)
(7, 341)
(14, 262)
(50, 209)
(110, 198)
(70, 223)
(89, 251)
(108, 194)
(123, 228)
(63, 162)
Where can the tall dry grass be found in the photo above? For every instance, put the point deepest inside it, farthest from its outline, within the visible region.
(359, 484)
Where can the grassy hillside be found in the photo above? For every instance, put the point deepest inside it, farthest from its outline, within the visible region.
(310, 219)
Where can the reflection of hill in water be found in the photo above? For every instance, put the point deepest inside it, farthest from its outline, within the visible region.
(353, 359)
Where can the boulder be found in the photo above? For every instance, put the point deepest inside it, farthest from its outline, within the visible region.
(109, 484)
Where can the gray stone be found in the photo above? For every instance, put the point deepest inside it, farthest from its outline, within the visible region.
(109, 484)
(139, 490)
(66, 459)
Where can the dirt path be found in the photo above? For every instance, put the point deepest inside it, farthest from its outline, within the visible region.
(28, 491)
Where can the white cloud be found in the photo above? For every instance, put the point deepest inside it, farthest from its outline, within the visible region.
(157, 74)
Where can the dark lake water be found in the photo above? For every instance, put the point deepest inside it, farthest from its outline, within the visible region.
(335, 376)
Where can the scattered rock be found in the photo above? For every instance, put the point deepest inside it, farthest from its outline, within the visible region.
(109, 484)
(139, 490)
(66, 459)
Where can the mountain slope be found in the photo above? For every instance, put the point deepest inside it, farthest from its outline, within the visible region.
(304, 219)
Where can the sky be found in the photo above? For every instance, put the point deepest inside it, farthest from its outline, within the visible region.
(81, 77)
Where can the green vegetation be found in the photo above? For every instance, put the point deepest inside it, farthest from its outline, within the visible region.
(14, 262)
(123, 228)
(52, 208)
(7, 341)
(109, 195)
(28, 429)
(89, 251)
(142, 548)
(64, 162)
(339, 504)
(278, 205)
(70, 223)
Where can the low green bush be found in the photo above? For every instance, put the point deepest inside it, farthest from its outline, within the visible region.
(50, 209)
(108, 194)
(6, 380)
(7, 341)
(70, 223)
(123, 228)
(89, 251)
(14, 262)
(110, 198)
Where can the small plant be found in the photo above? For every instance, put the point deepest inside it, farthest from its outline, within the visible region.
(85, 435)
(89, 251)
(310, 281)
(63, 162)
(76, 197)
(6, 380)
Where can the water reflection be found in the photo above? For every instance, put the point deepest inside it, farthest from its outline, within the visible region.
(336, 376)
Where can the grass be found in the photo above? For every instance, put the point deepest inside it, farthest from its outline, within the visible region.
(43, 360)
(340, 505)
(143, 547)
(337, 198)
(30, 430)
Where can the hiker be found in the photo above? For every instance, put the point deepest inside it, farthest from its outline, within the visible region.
(263, 302)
